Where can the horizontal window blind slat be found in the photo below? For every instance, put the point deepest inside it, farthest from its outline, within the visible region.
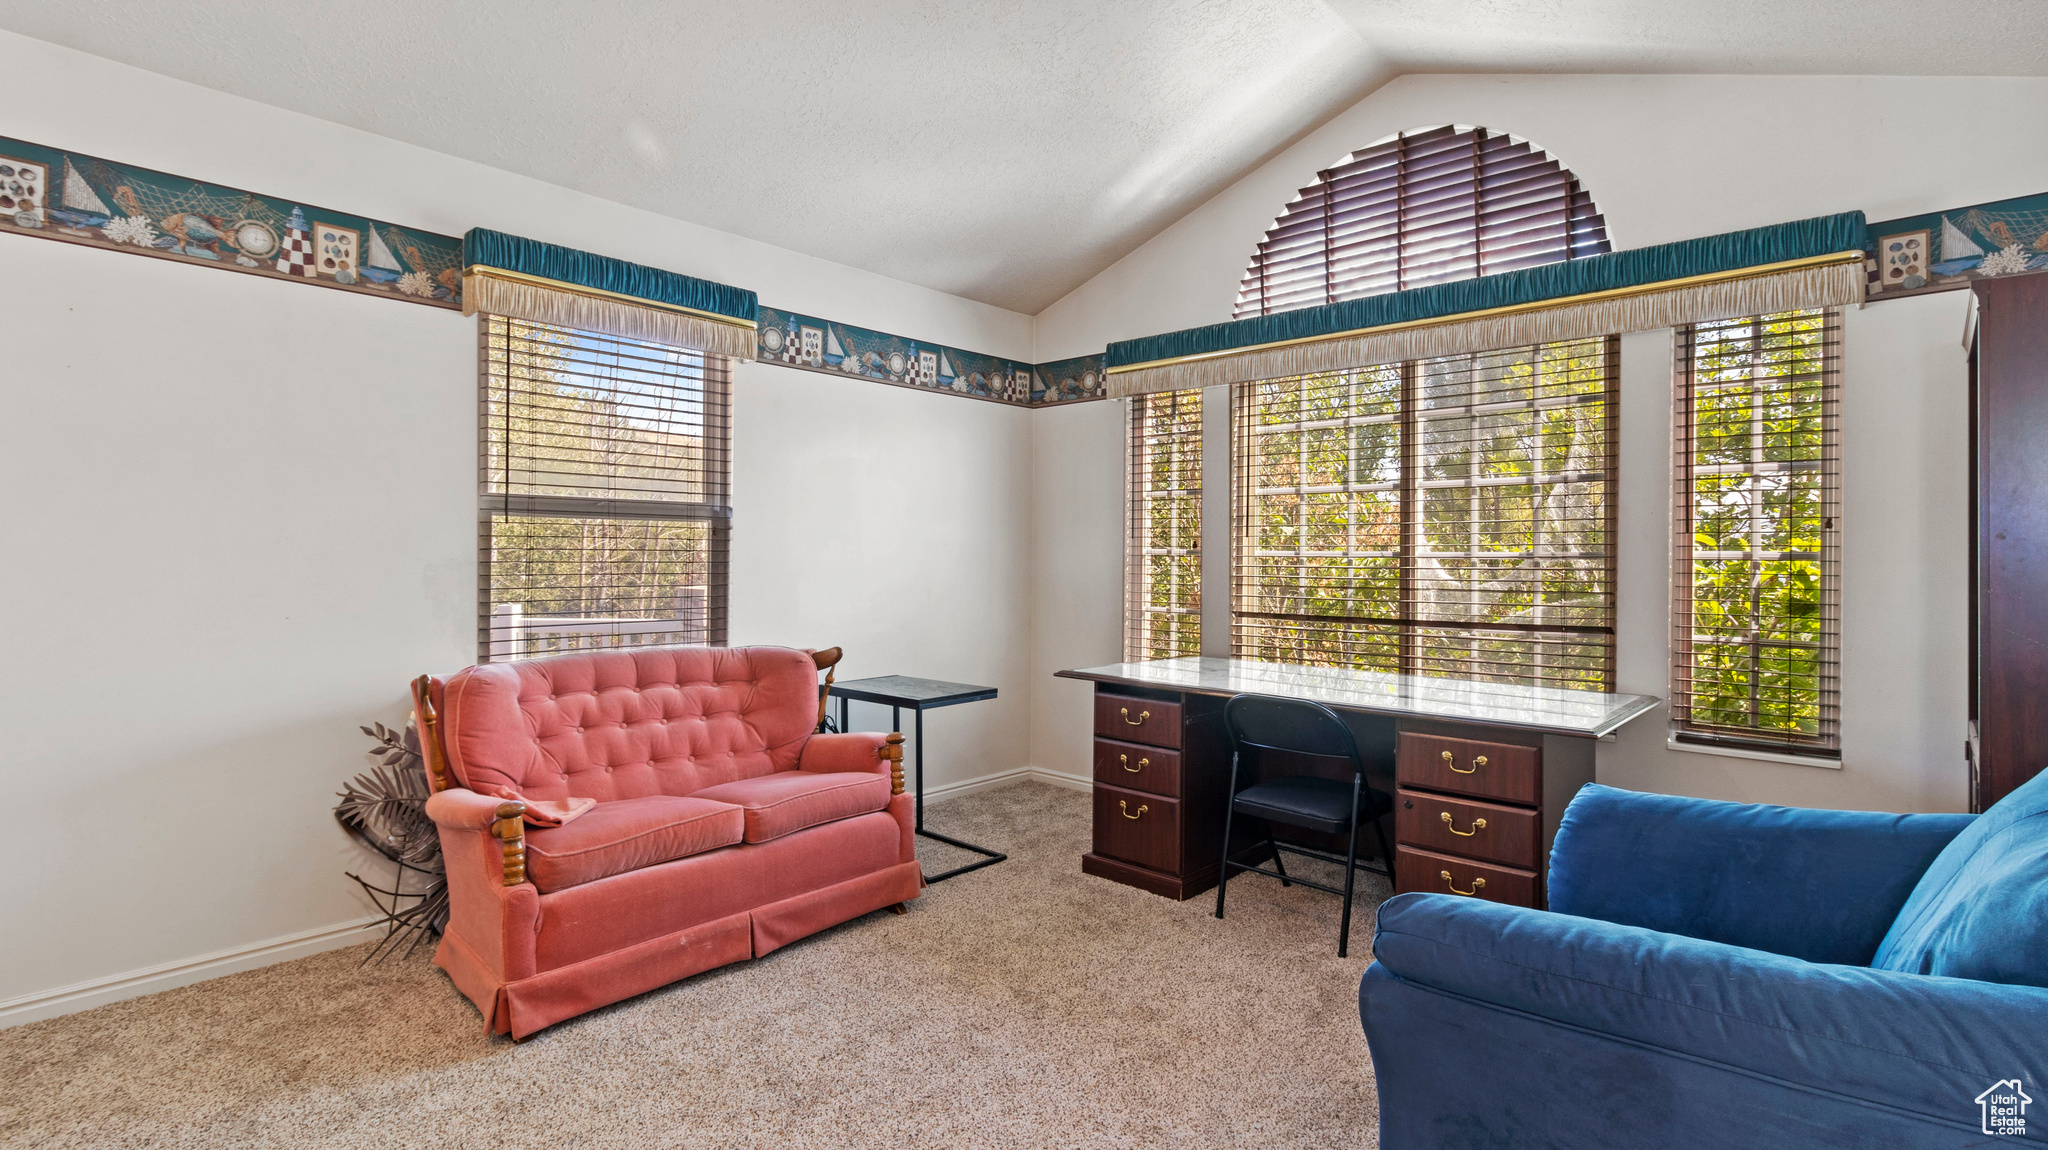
(1423, 208)
(1756, 549)
(1445, 517)
(605, 479)
(1162, 551)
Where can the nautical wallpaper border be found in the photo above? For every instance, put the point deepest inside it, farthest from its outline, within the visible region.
(76, 198)
(1944, 251)
(790, 339)
(50, 193)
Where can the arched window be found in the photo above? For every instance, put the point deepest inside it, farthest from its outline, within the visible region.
(1425, 207)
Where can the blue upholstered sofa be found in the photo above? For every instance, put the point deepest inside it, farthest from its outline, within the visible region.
(1720, 975)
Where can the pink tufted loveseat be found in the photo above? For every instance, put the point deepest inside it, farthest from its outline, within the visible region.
(722, 828)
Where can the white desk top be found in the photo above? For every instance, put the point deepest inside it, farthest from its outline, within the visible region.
(1589, 714)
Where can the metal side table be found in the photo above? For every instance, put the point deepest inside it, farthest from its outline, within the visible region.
(897, 692)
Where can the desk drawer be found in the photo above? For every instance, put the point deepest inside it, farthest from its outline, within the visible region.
(1138, 766)
(1137, 720)
(1427, 872)
(1487, 831)
(1137, 827)
(1500, 771)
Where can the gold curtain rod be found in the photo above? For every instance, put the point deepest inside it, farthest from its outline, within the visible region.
(600, 293)
(1509, 309)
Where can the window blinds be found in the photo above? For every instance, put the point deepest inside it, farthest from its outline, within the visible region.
(1756, 547)
(1421, 209)
(1163, 535)
(606, 491)
(1451, 517)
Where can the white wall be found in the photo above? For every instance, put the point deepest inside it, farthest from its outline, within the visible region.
(240, 515)
(1666, 158)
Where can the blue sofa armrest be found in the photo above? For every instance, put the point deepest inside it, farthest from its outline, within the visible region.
(1819, 885)
(1913, 1044)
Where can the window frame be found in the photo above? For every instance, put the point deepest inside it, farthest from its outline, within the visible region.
(1824, 745)
(1150, 448)
(499, 498)
(1410, 489)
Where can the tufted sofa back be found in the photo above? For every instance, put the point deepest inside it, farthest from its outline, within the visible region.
(626, 724)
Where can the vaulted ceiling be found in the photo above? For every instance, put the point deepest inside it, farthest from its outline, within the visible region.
(1005, 152)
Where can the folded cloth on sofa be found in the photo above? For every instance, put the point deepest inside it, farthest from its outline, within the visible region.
(543, 812)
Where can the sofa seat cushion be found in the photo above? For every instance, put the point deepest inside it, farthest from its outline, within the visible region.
(627, 834)
(1981, 910)
(787, 801)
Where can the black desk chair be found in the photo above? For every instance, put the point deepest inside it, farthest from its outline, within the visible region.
(1328, 805)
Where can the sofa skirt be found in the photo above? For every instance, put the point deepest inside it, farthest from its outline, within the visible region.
(520, 1008)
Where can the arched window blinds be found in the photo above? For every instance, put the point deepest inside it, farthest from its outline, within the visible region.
(1423, 208)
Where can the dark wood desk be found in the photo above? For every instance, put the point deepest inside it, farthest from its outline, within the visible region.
(1482, 771)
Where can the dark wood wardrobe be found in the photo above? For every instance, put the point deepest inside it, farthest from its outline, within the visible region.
(2008, 536)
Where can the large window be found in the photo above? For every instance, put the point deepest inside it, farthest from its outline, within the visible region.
(1423, 208)
(1163, 538)
(605, 492)
(1449, 517)
(1756, 548)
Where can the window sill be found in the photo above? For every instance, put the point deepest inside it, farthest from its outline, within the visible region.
(1761, 756)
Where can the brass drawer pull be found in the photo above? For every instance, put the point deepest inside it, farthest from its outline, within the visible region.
(1477, 826)
(1126, 761)
(1137, 722)
(1142, 808)
(1476, 884)
(1477, 762)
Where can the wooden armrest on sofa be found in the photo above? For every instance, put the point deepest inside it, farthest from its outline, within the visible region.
(461, 809)
(825, 660)
(506, 820)
(858, 751)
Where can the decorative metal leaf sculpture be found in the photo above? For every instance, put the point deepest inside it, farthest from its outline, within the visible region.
(385, 808)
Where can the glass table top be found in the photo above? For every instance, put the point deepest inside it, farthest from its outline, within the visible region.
(1555, 709)
(907, 691)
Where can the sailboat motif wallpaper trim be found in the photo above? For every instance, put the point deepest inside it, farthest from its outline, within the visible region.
(77, 198)
(792, 340)
(81, 199)
(1944, 251)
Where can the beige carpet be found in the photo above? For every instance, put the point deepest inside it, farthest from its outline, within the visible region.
(1025, 1005)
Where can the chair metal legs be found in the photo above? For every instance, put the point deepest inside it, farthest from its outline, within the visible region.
(1386, 856)
(1224, 864)
(1350, 872)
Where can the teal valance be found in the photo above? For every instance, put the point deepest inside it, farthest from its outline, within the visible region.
(1806, 263)
(547, 283)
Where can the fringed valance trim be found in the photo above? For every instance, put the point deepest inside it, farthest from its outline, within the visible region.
(547, 283)
(1818, 281)
(494, 292)
(749, 322)
(1738, 252)
(1652, 307)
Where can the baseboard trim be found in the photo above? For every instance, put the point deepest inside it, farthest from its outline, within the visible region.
(1012, 777)
(1063, 779)
(184, 972)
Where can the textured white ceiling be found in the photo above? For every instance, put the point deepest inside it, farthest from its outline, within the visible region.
(1000, 151)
